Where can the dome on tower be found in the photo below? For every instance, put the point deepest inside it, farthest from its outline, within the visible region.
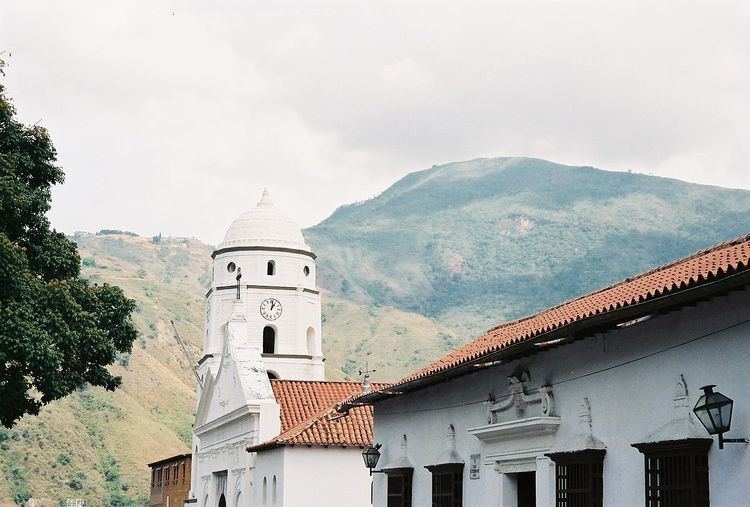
(262, 226)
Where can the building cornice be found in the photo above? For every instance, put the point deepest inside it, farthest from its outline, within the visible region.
(262, 249)
(238, 413)
(263, 287)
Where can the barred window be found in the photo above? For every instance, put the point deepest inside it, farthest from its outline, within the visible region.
(578, 478)
(676, 473)
(447, 485)
(399, 487)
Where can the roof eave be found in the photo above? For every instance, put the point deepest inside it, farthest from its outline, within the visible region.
(171, 458)
(576, 330)
(267, 446)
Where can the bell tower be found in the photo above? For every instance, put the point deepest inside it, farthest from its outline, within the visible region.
(264, 263)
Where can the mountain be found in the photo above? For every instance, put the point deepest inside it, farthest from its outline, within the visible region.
(95, 444)
(475, 243)
(442, 255)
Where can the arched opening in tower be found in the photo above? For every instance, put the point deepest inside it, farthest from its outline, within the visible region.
(271, 269)
(269, 340)
(311, 341)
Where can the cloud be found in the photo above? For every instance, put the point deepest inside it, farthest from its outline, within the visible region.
(172, 116)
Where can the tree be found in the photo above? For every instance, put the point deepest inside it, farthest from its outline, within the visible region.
(57, 331)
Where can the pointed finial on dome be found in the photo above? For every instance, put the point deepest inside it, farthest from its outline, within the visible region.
(265, 199)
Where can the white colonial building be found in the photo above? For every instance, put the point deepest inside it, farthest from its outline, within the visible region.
(589, 403)
(262, 335)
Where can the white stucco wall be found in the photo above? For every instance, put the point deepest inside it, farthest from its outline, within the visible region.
(312, 477)
(269, 464)
(325, 477)
(629, 376)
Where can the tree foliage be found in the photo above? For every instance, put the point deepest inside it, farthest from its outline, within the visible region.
(57, 331)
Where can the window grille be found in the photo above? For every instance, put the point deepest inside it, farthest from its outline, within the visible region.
(676, 473)
(579, 478)
(447, 485)
(399, 487)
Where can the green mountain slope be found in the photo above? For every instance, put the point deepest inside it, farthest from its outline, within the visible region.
(475, 243)
(95, 444)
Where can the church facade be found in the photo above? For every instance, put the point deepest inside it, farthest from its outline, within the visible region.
(262, 334)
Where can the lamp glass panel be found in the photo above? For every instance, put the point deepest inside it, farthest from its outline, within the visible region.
(703, 415)
(715, 414)
(726, 416)
(721, 411)
(706, 421)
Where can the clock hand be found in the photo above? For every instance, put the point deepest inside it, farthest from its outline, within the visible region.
(273, 303)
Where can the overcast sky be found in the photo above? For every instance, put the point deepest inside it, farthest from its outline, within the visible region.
(171, 116)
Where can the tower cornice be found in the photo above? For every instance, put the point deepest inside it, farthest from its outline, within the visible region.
(262, 249)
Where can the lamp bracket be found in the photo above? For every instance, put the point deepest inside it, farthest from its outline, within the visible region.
(723, 441)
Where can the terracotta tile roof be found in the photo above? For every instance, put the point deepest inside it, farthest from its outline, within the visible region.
(309, 417)
(697, 269)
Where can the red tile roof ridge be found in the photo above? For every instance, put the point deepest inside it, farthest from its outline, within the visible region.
(741, 239)
(698, 269)
(288, 436)
(301, 381)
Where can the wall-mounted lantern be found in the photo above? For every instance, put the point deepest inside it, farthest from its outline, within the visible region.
(714, 411)
(371, 455)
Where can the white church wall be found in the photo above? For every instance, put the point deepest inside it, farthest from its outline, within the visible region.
(269, 464)
(629, 377)
(325, 477)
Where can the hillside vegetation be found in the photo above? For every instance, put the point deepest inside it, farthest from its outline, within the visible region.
(439, 257)
(95, 444)
(475, 243)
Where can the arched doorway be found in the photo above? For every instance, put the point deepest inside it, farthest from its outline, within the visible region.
(222, 501)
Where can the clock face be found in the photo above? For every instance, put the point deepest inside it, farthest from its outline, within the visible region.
(270, 309)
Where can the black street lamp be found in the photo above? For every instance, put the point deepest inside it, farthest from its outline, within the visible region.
(714, 411)
(371, 455)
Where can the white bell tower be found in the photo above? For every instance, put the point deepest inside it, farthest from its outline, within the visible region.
(265, 253)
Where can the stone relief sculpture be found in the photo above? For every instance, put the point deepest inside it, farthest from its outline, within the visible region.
(521, 399)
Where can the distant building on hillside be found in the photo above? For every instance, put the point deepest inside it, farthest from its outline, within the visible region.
(597, 401)
(262, 388)
(170, 481)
